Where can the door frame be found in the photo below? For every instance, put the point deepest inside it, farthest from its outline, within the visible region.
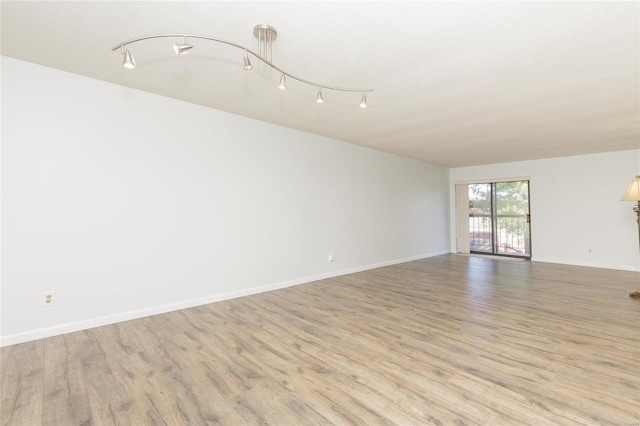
(493, 180)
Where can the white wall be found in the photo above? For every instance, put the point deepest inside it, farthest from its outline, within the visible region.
(128, 204)
(575, 206)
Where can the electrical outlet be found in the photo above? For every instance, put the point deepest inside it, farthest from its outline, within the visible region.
(48, 298)
(332, 257)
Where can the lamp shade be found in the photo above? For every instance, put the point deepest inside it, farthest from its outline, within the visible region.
(633, 191)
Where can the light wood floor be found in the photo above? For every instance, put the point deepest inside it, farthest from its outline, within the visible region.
(446, 340)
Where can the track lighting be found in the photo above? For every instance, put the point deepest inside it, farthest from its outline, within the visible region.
(182, 48)
(128, 61)
(264, 33)
(247, 62)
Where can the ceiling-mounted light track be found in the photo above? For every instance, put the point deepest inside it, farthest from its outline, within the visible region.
(265, 35)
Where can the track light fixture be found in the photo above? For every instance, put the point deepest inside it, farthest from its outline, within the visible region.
(264, 33)
(128, 61)
(182, 48)
(363, 102)
(247, 62)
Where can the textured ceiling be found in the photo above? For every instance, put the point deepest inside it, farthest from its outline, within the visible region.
(456, 83)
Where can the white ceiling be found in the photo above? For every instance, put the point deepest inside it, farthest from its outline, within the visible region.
(456, 83)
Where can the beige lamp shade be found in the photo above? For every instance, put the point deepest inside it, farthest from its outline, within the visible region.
(633, 191)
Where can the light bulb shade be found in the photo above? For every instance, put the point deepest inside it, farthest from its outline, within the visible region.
(182, 48)
(128, 61)
(247, 62)
(283, 82)
(363, 102)
(319, 98)
(633, 191)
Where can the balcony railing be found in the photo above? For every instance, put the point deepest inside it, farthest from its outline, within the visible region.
(512, 234)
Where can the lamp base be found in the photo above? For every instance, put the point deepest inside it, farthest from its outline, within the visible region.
(635, 294)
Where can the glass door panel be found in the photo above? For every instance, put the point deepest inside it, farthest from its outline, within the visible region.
(480, 221)
(512, 218)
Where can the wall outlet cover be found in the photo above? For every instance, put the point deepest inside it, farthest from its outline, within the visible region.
(48, 298)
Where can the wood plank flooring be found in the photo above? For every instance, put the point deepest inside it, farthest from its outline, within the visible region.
(448, 340)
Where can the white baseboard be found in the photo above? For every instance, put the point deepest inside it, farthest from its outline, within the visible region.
(56, 330)
(589, 265)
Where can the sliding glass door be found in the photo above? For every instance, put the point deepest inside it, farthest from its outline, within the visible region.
(499, 218)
